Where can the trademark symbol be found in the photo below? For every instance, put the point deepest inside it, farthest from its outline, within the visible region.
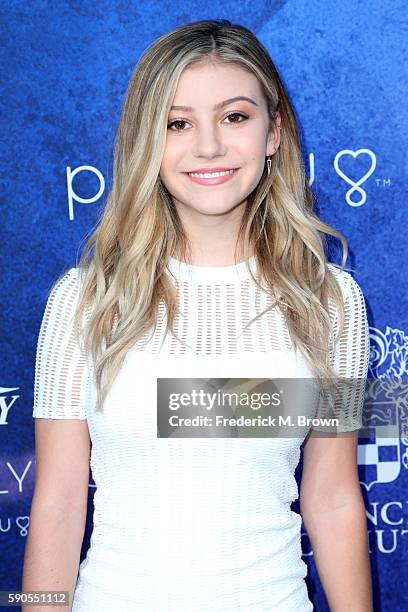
(383, 182)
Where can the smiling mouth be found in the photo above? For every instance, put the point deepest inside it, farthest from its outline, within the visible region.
(212, 174)
(212, 179)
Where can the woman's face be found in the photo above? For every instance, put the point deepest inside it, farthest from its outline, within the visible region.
(204, 138)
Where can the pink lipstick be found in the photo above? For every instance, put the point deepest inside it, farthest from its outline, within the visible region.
(213, 176)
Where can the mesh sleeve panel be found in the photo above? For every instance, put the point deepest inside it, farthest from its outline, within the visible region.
(60, 369)
(350, 357)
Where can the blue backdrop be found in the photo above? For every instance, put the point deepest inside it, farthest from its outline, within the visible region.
(65, 68)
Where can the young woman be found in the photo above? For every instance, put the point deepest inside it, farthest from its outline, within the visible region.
(208, 260)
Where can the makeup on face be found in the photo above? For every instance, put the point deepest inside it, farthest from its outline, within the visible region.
(211, 176)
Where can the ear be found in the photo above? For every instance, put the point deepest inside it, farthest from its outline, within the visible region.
(273, 141)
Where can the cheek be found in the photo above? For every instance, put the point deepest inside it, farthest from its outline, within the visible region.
(171, 158)
(166, 171)
(166, 158)
(254, 149)
(169, 169)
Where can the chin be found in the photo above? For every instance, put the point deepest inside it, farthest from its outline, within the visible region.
(214, 209)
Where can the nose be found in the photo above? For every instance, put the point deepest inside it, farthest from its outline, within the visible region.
(209, 142)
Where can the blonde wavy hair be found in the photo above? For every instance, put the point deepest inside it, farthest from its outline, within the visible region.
(124, 259)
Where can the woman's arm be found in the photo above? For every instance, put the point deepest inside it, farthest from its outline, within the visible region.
(331, 502)
(333, 512)
(62, 448)
(58, 510)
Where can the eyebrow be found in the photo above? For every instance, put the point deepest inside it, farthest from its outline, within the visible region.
(190, 109)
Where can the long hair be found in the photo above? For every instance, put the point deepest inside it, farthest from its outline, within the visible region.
(124, 260)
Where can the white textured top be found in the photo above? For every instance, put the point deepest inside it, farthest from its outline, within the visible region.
(191, 524)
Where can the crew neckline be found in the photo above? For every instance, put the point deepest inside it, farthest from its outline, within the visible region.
(211, 274)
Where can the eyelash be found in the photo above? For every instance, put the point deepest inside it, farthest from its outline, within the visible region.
(184, 121)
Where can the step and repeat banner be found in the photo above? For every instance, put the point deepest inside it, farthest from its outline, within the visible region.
(66, 67)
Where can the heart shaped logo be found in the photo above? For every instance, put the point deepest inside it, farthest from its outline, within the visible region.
(355, 185)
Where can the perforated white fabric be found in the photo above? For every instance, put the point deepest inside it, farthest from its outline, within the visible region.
(216, 304)
(190, 524)
(60, 371)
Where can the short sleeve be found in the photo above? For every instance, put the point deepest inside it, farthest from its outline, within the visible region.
(61, 370)
(350, 357)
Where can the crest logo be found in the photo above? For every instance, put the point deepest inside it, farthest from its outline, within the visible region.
(383, 442)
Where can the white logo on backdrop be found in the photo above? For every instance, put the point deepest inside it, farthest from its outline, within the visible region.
(72, 196)
(6, 402)
(355, 185)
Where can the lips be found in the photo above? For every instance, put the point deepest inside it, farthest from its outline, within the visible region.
(207, 179)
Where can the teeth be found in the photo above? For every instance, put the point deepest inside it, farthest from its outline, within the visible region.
(211, 174)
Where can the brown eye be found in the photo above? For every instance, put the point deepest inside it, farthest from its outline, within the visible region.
(175, 125)
(175, 122)
(237, 115)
